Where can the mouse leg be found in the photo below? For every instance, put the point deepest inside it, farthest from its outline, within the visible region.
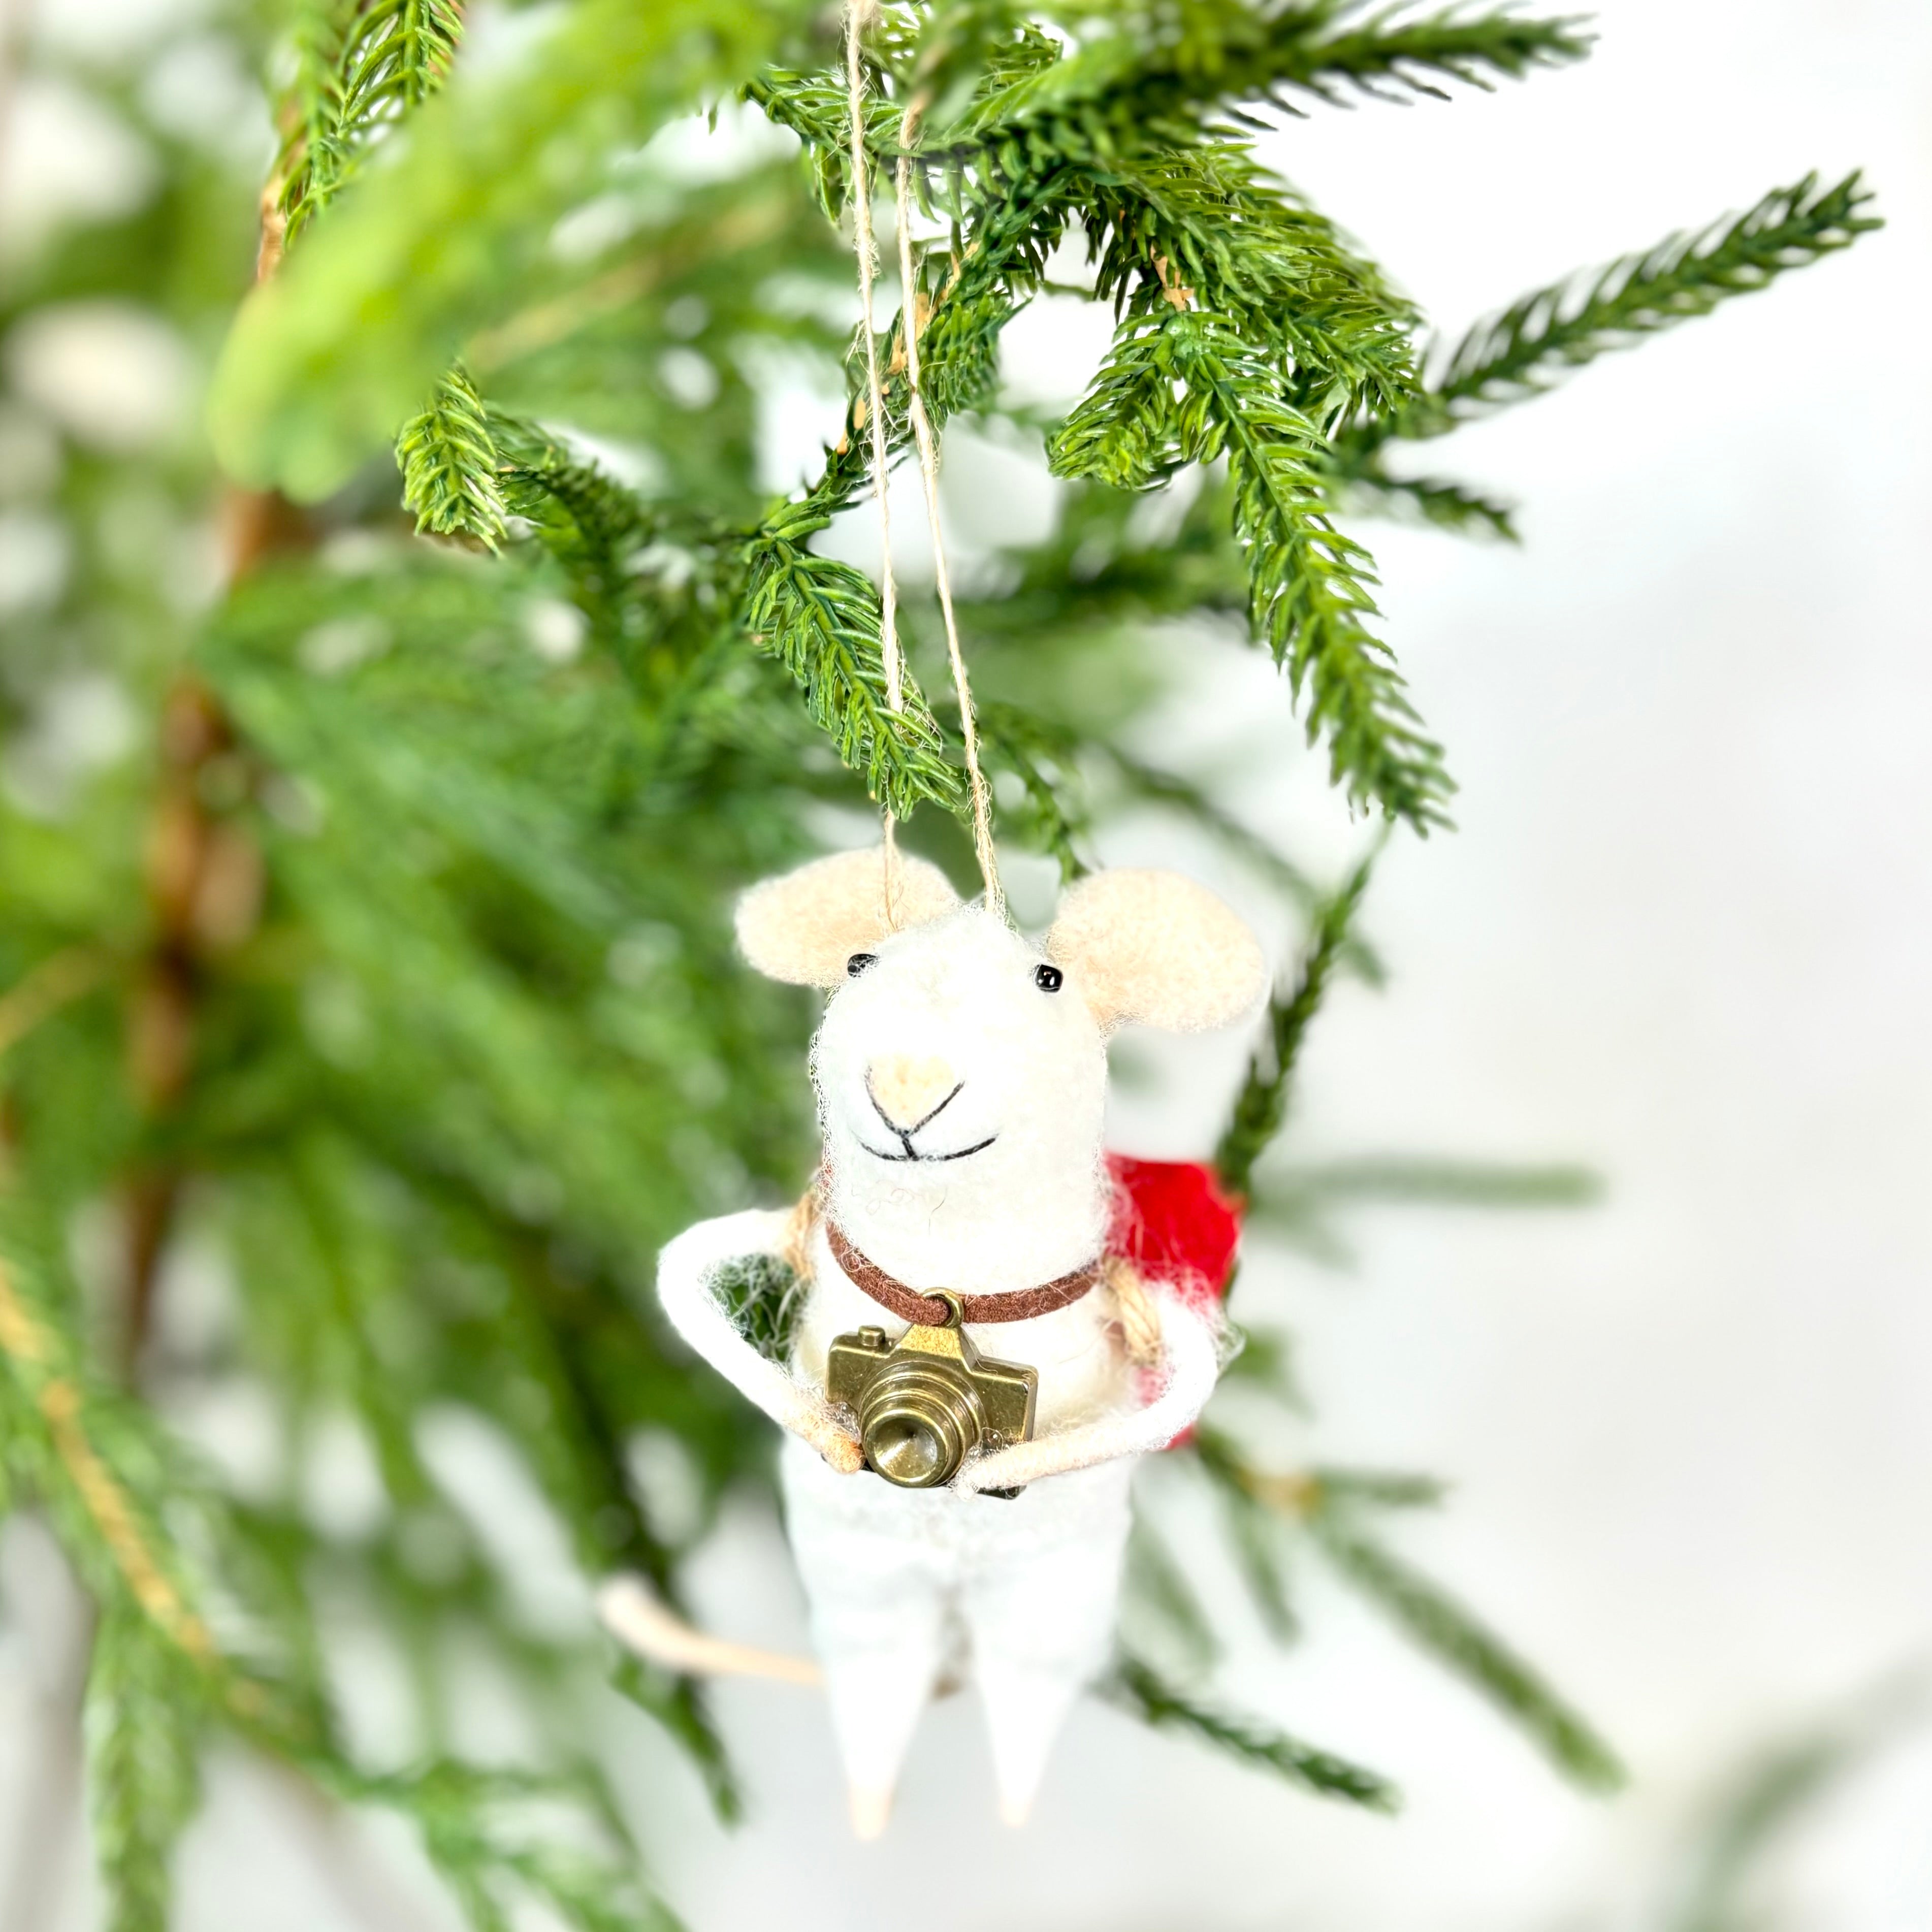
(1042, 1618)
(878, 1605)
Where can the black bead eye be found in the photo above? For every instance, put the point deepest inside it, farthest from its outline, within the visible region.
(1048, 979)
(858, 962)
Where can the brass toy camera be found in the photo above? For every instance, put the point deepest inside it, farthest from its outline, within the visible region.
(927, 1402)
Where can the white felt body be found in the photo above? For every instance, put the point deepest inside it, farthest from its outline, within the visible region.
(961, 1102)
(893, 1576)
(896, 1577)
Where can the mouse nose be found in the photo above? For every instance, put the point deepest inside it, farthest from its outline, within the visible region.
(909, 1091)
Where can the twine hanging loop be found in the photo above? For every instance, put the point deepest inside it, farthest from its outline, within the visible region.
(857, 14)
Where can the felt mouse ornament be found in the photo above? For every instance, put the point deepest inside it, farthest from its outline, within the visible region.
(964, 1207)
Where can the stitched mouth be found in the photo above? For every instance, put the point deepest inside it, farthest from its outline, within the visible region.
(912, 1154)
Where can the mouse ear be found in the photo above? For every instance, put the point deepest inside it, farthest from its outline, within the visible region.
(803, 926)
(1155, 947)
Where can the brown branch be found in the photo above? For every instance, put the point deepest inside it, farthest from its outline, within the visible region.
(58, 1397)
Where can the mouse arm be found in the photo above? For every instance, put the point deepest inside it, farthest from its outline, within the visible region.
(1190, 1365)
(686, 1271)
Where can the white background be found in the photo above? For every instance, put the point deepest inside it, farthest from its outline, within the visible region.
(1682, 935)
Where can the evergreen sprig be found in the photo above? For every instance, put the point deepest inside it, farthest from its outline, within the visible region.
(1328, 1506)
(1204, 223)
(820, 619)
(1432, 1619)
(1530, 346)
(1391, 52)
(379, 59)
(1184, 387)
(1166, 73)
(1137, 1688)
(450, 468)
(1261, 1106)
(146, 1716)
(1362, 484)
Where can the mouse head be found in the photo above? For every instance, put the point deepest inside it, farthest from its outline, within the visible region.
(961, 1070)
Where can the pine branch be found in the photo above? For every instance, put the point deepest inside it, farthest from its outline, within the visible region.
(1296, 1205)
(1051, 817)
(1268, 1364)
(674, 1701)
(1719, 1889)
(1432, 1619)
(1327, 1503)
(145, 1717)
(1533, 343)
(484, 1833)
(1300, 1497)
(820, 619)
(1415, 55)
(1207, 222)
(1308, 584)
(1099, 568)
(1255, 1512)
(326, 361)
(1381, 1489)
(1135, 1688)
(1369, 491)
(1195, 803)
(385, 58)
(1259, 1557)
(603, 534)
(1261, 1106)
(1309, 594)
(815, 107)
(451, 467)
(1157, 1588)
(70, 1441)
(1163, 77)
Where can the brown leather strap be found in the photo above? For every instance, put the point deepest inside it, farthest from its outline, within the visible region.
(909, 1305)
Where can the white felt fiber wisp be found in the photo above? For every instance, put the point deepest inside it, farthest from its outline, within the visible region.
(961, 1075)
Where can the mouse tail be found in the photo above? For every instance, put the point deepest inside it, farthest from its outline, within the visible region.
(632, 1612)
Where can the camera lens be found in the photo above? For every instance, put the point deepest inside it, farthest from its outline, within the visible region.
(907, 1449)
(919, 1421)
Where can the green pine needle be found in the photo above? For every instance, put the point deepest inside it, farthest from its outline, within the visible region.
(385, 58)
(1535, 341)
(1390, 54)
(487, 1833)
(146, 1709)
(1183, 387)
(821, 618)
(1136, 1687)
(1432, 1619)
(1206, 219)
(1162, 75)
(677, 1703)
(1261, 1106)
(1371, 491)
(1051, 815)
(450, 466)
